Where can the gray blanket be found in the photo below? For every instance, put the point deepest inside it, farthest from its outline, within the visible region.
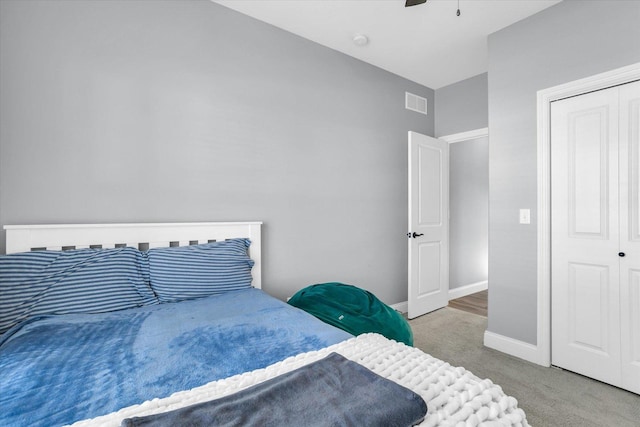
(333, 391)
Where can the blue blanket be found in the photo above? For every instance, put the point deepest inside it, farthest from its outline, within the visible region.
(333, 391)
(62, 369)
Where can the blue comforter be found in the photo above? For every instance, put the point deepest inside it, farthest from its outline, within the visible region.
(61, 369)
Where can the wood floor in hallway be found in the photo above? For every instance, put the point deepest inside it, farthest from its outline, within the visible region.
(474, 303)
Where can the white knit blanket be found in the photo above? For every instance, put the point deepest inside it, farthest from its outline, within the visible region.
(454, 396)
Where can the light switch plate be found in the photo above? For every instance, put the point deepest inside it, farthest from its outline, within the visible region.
(525, 216)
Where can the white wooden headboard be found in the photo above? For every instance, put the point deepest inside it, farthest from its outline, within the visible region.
(24, 238)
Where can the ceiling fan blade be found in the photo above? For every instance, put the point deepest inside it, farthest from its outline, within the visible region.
(414, 2)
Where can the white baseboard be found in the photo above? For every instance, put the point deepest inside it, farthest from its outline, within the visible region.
(402, 307)
(459, 292)
(517, 348)
(463, 291)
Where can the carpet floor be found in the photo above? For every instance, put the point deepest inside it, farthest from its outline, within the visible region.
(549, 396)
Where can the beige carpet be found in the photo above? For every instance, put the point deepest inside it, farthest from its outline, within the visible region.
(549, 396)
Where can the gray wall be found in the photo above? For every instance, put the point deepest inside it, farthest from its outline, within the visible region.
(121, 111)
(469, 207)
(569, 41)
(462, 106)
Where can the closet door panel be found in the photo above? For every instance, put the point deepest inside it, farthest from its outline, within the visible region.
(585, 272)
(588, 290)
(629, 136)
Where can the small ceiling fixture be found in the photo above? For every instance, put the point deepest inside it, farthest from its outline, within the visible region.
(360, 40)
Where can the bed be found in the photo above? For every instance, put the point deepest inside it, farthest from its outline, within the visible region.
(125, 321)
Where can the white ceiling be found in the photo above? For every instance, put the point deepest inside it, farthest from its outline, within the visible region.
(427, 43)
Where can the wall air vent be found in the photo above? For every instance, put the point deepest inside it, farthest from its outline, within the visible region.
(415, 103)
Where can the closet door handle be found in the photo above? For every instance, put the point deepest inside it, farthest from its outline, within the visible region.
(621, 254)
(414, 235)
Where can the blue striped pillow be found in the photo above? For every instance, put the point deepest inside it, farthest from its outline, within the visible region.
(186, 272)
(74, 281)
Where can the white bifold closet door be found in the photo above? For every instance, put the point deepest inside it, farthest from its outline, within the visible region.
(595, 223)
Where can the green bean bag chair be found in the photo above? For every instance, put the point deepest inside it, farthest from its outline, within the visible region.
(352, 309)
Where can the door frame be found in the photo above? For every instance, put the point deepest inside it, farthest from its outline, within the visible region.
(541, 353)
(483, 285)
(475, 287)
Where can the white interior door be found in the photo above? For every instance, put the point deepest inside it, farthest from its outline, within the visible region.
(428, 224)
(595, 274)
(585, 300)
(629, 137)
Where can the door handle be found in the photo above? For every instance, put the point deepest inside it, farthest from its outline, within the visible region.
(414, 235)
(621, 254)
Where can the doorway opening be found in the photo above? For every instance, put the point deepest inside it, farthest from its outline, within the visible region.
(469, 220)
